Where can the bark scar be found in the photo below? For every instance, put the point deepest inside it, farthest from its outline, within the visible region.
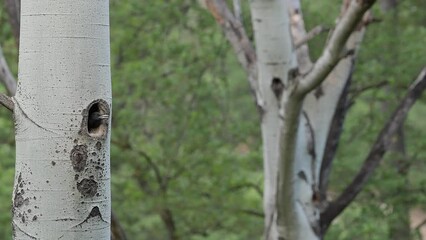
(18, 106)
(311, 146)
(93, 213)
(310, 137)
(312, 223)
(24, 232)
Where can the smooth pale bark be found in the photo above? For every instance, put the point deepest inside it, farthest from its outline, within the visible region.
(294, 139)
(275, 60)
(317, 115)
(285, 77)
(318, 110)
(62, 180)
(299, 108)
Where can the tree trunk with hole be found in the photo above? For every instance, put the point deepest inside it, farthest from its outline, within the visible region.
(295, 127)
(62, 111)
(302, 107)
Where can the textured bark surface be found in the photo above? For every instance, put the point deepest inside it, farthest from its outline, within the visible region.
(62, 187)
(275, 60)
(295, 120)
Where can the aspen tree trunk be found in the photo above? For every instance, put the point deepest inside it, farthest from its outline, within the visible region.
(302, 107)
(295, 125)
(62, 180)
(275, 59)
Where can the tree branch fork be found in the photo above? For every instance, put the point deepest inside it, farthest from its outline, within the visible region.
(333, 53)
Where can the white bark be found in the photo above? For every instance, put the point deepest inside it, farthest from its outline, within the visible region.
(320, 105)
(293, 145)
(275, 60)
(318, 110)
(295, 121)
(62, 188)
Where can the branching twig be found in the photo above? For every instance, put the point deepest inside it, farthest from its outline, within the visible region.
(237, 10)
(127, 146)
(420, 225)
(13, 8)
(237, 37)
(6, 76)
(332, 52)
(155, 168)
(252, 212)
(376, 153)
(299, 32)
(358, 90)
(247, 185)
(310, 35)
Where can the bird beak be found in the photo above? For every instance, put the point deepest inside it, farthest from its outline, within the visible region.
(105, 116)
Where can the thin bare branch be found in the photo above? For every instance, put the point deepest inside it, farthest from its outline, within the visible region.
(13, 8)
(420, 225)
(234, 31)
(6, 101)
(167, 216)
(359, 90)
(362, 89)
(155, 168)
(237, 10)
(298, 32)
(6, 76)
(127, 146)
(335, 46)
(247, 185)
(117, 231)
(237, 37)
(376, 153)
(310, 35)
(252, 212)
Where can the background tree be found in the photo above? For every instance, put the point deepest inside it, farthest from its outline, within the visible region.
(163, 51)
(299, 135)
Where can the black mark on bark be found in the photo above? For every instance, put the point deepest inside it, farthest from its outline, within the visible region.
(302, 175)
(319, 92)
(277, 87)
(87, 187)
(95, 212)
(98, 146)
(79, 157)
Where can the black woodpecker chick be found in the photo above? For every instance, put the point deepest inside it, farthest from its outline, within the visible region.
(96, 119)
(277, 87)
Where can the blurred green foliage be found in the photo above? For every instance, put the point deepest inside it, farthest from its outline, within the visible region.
(186, 150)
